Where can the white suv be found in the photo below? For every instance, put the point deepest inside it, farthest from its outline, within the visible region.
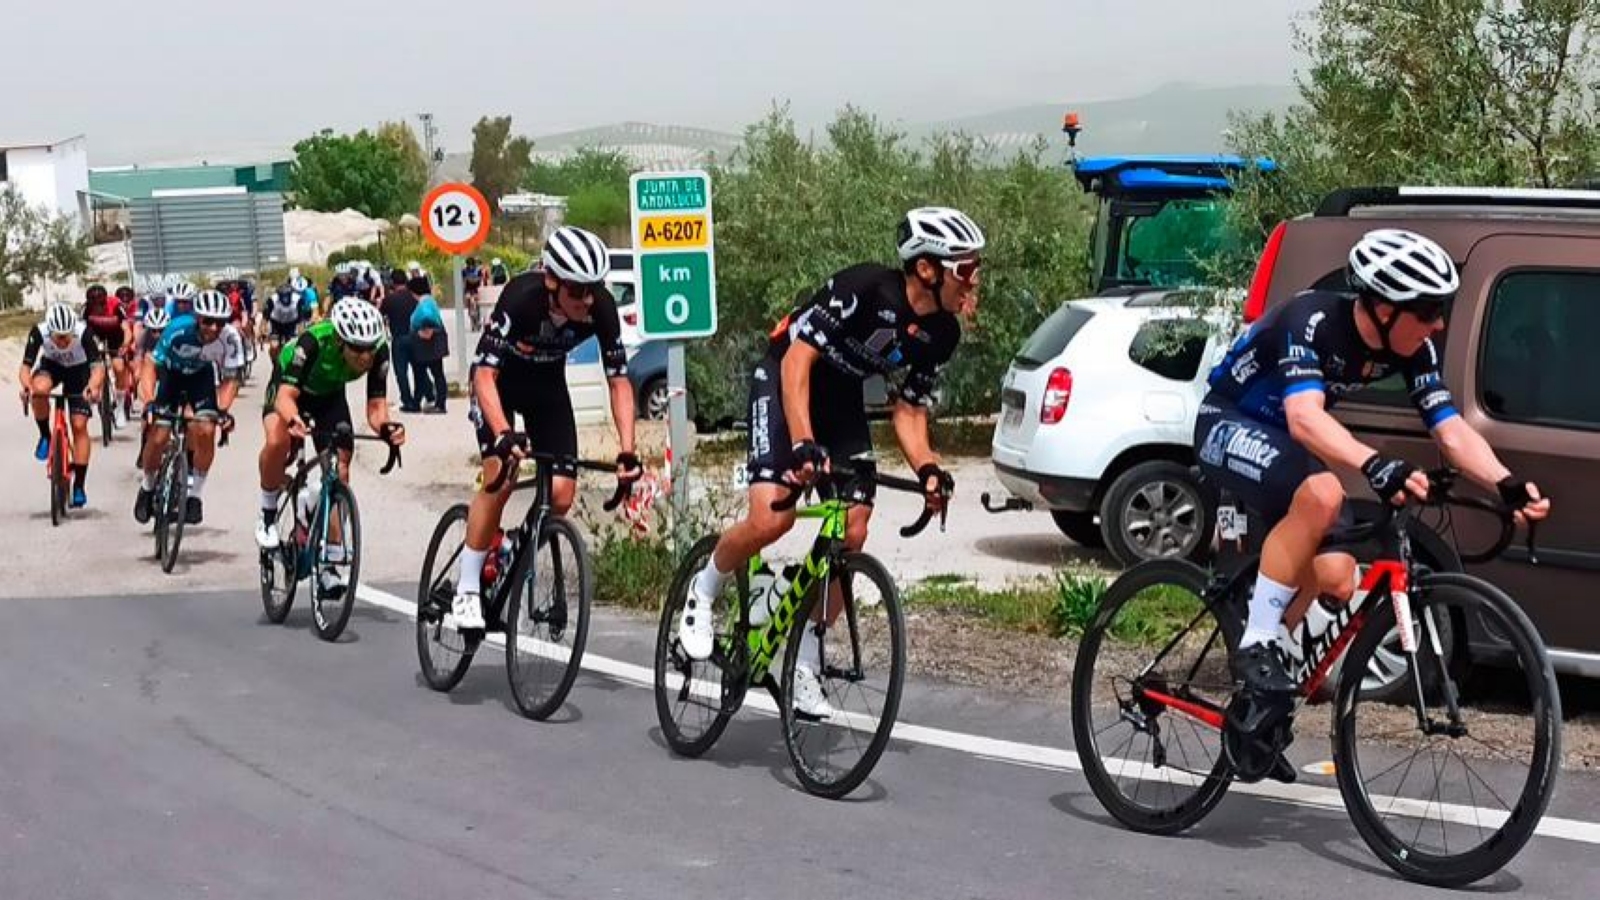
(1097, 423)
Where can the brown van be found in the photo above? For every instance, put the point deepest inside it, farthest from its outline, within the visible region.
(1522, 356)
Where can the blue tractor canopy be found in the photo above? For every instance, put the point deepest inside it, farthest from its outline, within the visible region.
(1159, 217)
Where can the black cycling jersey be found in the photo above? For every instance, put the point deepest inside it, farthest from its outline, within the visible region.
(862, 324)
(524, 336)
(41, 348)
(1311, 344)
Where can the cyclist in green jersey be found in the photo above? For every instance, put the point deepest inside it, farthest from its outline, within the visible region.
(309, 383)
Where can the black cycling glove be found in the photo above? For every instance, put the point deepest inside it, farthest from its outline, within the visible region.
(1387, 476)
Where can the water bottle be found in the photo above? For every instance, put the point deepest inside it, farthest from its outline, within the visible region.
(495, 562)
(764, 600)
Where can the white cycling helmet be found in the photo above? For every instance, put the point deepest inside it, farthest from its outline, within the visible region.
(937, 231)
(213, 305)
(341, 268)
(575, 255)
(298, 284)
(496, 262)
(294, 272)
(357, 322)
(156, 319)
(183, 290)
(60, 319)
(413, 268)
(1401, 266)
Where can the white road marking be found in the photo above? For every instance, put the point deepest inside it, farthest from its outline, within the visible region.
(1054, 758)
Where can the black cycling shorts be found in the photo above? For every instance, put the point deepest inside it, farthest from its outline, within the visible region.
(838, 422)
(284, 331)
(175, 390)
(1259, 463)
(72, 380)
(323, 412)
(110, 341)
(545, 406)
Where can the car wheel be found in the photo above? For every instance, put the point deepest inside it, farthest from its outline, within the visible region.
(1079, 527)
(1156, 510)
(654, 401)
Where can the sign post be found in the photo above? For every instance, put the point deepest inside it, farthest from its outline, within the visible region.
(671, 221)
(455, 219)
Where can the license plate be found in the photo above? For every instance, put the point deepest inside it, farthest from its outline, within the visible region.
(1012, 420)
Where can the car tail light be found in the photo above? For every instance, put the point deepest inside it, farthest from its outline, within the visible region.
(1057, 392)
(632, 318)
(1256, 303)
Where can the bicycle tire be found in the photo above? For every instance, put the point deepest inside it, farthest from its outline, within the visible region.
(57, 479)
(528, 688)
(433, 604)
(731, 651)
(280, 568)
(813, 776)
(107, 408)
(173, 488)
(330, 626)
(1441, 591)
(1184, 813)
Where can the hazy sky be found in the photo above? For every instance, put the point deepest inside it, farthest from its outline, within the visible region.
(185, 77)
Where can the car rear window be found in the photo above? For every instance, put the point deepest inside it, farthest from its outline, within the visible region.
(1052, 336)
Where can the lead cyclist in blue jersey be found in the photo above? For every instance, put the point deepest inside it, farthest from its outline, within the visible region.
(1265, 434)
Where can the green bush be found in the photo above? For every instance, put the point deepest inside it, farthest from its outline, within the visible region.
(632, 570)
(1077, 601)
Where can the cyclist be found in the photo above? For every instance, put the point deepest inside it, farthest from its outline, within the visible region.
(63, 351)
(498, 273)
(343, 284)
(186, 364)
(1265, 434)
(305, 288)
(180, 299)
(286, 312)
(105, 316)
(520, 368)
(806, 398)
(471, 281)
(308, 382)
(369, 285)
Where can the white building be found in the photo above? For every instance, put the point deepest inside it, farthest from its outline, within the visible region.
(53, 175)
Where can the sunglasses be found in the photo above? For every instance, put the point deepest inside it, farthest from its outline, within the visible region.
(1427, 313)
(360, 351)
(212, 323)
(577, 291)
(964, 270)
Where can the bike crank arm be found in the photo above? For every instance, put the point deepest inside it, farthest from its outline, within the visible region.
(1204, 713)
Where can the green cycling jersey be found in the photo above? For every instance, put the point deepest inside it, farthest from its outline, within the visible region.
(315, 363)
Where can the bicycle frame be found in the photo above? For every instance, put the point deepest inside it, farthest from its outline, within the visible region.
(817, 565)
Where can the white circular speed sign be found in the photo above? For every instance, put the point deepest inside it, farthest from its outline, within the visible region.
(455, 218)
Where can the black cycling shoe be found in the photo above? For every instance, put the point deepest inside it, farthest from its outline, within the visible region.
(1261, 670)
(193, 514)
(1283, 770)
(141, 507)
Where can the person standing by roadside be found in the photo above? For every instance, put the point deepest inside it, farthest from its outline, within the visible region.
(397, 306)
(430, 346)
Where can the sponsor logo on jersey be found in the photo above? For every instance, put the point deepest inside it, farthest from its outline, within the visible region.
(845, 310)
(1312, 324)
(1245, 367)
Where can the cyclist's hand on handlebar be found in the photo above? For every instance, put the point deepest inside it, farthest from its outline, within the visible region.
(298, 428)
(511, 447)
(393, 433)
(1395, 480)
(937, 486)
(1523, 499)
(810, 460)
(629, 468)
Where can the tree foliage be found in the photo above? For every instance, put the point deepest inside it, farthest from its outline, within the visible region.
(413, 163)
(500, 162)
(595, 183)
(361, 171)
(35, 244)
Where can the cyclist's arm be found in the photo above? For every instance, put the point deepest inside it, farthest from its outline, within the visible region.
(287, 403)
(30, 357)
(798, 361)
(623, 410)
(486, 390)
(147, 380)
(911, 431)
(1465, 449)
(614, 359)
(301, 363)
(1314, 428)
(97, 374)
(227, 392)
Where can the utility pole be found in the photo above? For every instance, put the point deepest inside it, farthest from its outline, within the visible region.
(428, 133)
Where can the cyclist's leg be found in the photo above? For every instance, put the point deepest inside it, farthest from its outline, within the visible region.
(552, 428)
(483, 514)
(76, 381)
(200, 389)
(43, 382)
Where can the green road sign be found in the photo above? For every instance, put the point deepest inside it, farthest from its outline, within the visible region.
(673, 249)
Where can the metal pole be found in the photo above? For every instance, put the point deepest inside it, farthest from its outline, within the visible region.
(461, 321)
(678, 438)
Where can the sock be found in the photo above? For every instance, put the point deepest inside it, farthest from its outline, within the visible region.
(78, 474)
(44, 427)
(334, 553)
(1266, 612)
(269, 505)
(149, 481)
(470, 579)
(199, 485)
(810, 649)
(709, 582)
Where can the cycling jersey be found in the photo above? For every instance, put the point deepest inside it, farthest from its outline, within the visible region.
(472, 276)
(315, 364)
(177, 308)
(524, 338)
(1311, 344)
(287, 307)
(105, 317)
(149, 338)
(862, 325)
(499, 275)
(182, 350)
(340, 289)
(41, 351)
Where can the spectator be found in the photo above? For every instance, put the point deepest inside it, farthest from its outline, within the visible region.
(431, 344)
(398, 305)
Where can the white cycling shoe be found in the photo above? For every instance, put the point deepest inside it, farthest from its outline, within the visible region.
(266, 535)
(467, 611)
(809, 699)
(696, 628)
(332, 581)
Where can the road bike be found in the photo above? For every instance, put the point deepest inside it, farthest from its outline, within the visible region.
(58, 464)
(1155, 707)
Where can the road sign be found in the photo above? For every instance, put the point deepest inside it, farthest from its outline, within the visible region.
(674, 258)
(455, 218)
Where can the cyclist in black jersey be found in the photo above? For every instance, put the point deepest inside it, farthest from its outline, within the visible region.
(1265, 434)
(806, 401)
(521, 368)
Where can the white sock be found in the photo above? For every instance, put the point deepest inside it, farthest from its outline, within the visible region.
(149, 481)
(334, 553)
(710, 581)
(810, 649)
(470, 579)
(269, 504)
(199, 485)
(1266, 612)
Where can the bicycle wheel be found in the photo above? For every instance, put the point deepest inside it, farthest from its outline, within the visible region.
(1452, 803)
(172, 495)
(58, 481)
(280, 568)
(107, 407)
(330, 610)
(548, 621)
(860, 660)
(695, 699)
(1155, 764)
(442, 651)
